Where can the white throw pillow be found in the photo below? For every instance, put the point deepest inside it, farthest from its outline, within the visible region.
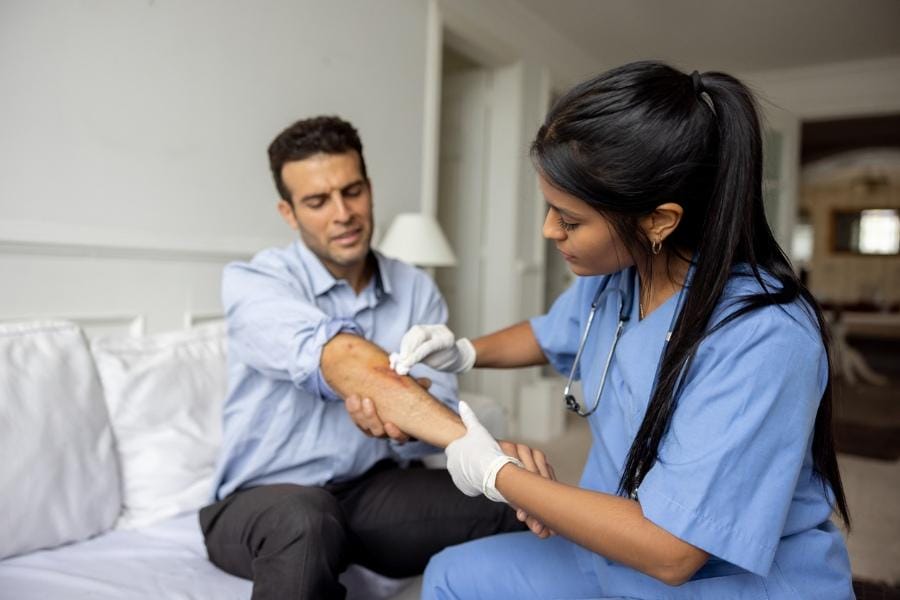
(59, 479)
(165, 396)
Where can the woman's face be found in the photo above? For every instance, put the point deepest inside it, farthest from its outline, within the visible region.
(587, 241)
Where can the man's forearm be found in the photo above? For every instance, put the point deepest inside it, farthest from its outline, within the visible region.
(353, 365)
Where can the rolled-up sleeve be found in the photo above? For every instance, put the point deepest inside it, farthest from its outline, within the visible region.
(275, 328)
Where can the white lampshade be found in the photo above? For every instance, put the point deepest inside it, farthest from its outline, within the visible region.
(417, 239)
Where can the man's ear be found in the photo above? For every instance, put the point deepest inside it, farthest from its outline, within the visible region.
(660, 224)
(286, 210)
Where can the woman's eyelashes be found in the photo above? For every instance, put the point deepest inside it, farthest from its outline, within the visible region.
(565, 224)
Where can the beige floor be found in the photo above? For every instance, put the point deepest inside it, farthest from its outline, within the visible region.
(872, 487)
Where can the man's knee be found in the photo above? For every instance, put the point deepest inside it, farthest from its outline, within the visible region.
(303, 515)
(273, 520)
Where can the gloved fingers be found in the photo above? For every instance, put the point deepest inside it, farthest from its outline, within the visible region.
(441, 334)
(419, 342)
(412, 339)
(441, 359)
(468, 417)
(466, 355)
(465, 481)
(425, 349)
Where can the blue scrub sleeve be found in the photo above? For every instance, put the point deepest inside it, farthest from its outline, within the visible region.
(730, 461)
(559, 331)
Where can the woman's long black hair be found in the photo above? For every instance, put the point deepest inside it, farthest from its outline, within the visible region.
(644, 134)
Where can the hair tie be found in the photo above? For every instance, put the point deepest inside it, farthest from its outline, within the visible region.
(698, 83)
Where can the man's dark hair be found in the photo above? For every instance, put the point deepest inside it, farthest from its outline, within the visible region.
(318, 135)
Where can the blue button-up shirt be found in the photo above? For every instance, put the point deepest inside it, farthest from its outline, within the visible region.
(282, 422)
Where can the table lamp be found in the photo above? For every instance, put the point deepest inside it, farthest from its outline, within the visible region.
(417, 239)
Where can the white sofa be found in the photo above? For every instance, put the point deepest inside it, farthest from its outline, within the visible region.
(108, 449)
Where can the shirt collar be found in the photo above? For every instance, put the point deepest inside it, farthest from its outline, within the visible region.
(323, 281)
(382, 274)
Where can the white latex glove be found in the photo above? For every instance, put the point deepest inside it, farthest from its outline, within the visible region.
(475, 459)
(437, 347)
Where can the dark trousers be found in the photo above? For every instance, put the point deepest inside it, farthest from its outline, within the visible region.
(293, 541)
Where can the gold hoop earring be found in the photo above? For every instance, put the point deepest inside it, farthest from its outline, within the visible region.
(656, 247)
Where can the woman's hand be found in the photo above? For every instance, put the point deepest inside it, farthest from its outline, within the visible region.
(475, 459)
(437, 347)
(535, 461)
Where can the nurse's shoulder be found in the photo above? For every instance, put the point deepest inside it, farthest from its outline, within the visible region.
(790, 325)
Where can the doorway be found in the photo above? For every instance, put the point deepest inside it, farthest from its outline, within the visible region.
(462, 168)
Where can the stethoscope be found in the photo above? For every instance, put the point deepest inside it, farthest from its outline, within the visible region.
(626, 298)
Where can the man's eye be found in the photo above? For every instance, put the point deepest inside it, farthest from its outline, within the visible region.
(353, 191)
(315, 203)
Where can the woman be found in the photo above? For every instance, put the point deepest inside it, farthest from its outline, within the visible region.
(704, 366)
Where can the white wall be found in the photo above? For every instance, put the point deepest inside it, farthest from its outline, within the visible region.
(504, 32)
(520, 57)
(144, 125)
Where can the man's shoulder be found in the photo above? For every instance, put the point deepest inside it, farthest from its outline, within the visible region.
(269, 259)
(277, 256)
(283, 264)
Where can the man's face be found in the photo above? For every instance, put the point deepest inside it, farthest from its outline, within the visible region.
(332, 209)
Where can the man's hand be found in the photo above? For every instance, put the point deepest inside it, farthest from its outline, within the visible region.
(535, 461)
(362, 411)
(364, 415)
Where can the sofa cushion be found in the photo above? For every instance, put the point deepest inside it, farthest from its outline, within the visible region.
(59, 475)
(165, 395)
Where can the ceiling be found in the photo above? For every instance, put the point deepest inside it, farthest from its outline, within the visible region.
(739, 36)
(826, 138)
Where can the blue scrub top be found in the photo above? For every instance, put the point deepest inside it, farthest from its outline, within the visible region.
(734, 475)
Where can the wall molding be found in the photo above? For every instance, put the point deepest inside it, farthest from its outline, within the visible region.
(117, 252)
(55, 240)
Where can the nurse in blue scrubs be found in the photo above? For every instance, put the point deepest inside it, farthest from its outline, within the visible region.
(702, 357)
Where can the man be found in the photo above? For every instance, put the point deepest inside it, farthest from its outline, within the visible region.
(301, 491)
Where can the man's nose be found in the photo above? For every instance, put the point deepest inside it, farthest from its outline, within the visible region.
(343, 212)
